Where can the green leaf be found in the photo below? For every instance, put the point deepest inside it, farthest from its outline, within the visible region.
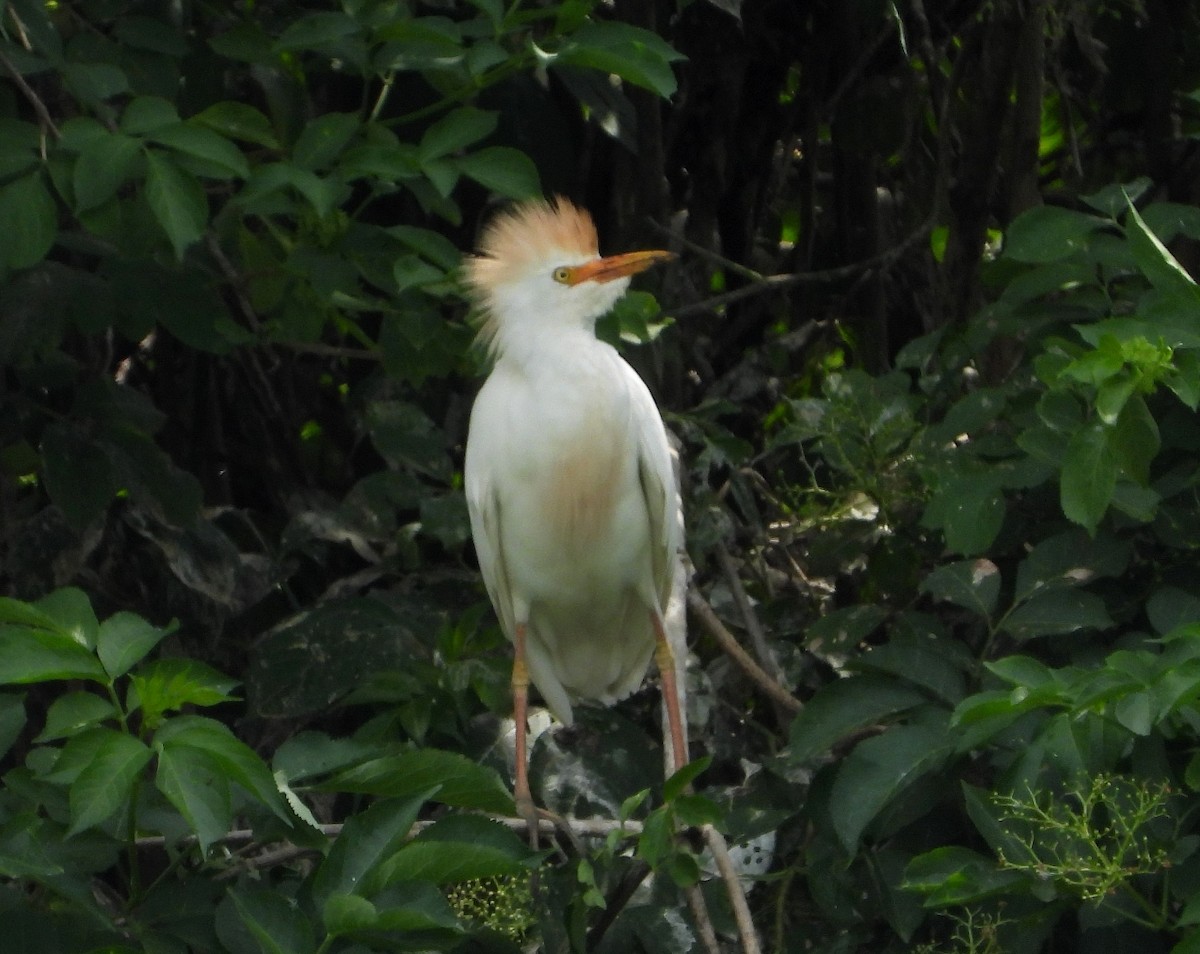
(971, 584)
(953, 876)
(970, 511)
(78, 474)
(1047, 233)
(72, 613)
(221, 158)
(1054, 612)
(841, 708)
(459, 848)
(455, 131)
(236, 760)
(459, 781)
(1134, 441)
(367, 840)
(30, 222)
(348, 913)
(316, 30)
(177, 201)
(74, 712)
(324, 139)
(145, 114)
(1071, 558)
(105, 164)
(123, 640)
(40, 655)
(238, 121)
(267, 921)
(1089, 476)
(193, 781)
(169, 684)
(636, 55)
(507, 171)
(877, 771)
(1155, 260)
(680, 780)
(108, 780)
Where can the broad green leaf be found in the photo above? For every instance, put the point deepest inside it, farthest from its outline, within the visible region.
(1071, 558)
(108, 780)
(105, 163)
(954, 875)
(1156, 262)
(1171, 607)
(30, 222)
(933, 663)
(93, 83)
(455, 131)
(145, 114)
(124, 639)
(195, 783)
(236, 760)
(1134, 441)
(636, 55)
(315, 30)
(219, 157)
(1023, 671)
(169, 684)
(1089, 476)
(72, 612)
(1058, 611)
(844, 707)
(323, 139)
(266, 922)
(78, 474)
(347, 913)
(177, 201)
(877, 771)
(1113, 199)
(1048, 233)
(459, 781)
(238, 121)
(971, 584)
(502, 169)
(459, 848)
(970, 510)
(41, 655)
(368, 838)
(73, 712)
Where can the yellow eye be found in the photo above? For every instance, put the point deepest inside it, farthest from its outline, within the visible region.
(562, 275)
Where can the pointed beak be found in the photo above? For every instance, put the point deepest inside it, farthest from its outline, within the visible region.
(617, 266)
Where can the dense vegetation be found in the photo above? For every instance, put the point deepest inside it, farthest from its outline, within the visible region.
(932, 352)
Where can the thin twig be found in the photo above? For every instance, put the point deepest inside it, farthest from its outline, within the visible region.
(774, 283)
(744, 660)
(733, 885)
(28, 92)
(757, 637)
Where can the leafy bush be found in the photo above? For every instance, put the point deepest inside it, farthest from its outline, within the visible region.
(1026, 728)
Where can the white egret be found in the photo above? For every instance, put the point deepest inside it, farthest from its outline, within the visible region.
(574, 509)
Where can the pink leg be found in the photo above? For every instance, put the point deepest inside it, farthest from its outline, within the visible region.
(520, 690)
(666, 671)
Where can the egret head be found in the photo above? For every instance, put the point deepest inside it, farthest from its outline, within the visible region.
(540, 266)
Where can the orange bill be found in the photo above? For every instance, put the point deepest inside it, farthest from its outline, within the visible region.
(617, 266)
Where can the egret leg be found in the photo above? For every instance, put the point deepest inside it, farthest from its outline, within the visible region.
(520, 691)
(665, 659)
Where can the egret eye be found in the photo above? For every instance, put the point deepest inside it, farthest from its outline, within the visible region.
(562, 275)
